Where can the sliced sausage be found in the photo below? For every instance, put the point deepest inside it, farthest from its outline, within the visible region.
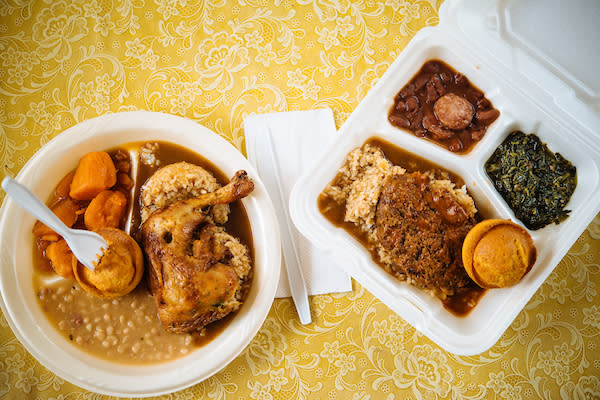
(435, 128)
(454, 112)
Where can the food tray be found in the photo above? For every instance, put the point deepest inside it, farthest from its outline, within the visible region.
(500, 65)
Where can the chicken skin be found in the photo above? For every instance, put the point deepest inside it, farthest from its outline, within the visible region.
(194, 271)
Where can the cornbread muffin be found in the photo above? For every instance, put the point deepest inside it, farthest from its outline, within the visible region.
(498, 253)
(119, 270)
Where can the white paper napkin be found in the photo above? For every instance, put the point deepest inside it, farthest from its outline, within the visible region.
(300, 137)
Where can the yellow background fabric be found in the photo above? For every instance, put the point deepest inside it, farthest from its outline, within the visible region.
(216, 61)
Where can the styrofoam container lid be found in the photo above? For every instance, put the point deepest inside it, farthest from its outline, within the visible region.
(537, 90)
(552, 44)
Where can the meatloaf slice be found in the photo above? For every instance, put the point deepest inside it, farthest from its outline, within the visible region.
(420, 225)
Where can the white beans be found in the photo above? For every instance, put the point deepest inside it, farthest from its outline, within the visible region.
(125, 329)
(136, 347)
(99, 334)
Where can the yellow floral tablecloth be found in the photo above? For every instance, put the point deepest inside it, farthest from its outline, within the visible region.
(216, 61)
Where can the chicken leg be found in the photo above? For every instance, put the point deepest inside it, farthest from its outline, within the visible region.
(190, 275)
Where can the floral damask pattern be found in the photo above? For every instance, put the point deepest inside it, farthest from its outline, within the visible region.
(56, 28)
(217, 61)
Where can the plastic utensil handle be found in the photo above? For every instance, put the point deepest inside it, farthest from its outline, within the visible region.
(28, 201)
(290, 253)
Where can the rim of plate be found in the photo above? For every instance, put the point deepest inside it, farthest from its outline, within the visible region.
(22, 310)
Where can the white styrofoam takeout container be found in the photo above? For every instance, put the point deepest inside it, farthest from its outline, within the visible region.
(19, 301)
(536, 91)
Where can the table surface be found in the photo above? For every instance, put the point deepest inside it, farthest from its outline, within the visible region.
(215, 62)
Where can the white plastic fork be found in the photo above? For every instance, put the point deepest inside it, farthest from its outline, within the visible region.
(86, 246)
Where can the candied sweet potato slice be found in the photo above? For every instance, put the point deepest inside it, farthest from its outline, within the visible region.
(64, 186)
(61, 258)
(105, 210)
(95, 172)
(66, 210)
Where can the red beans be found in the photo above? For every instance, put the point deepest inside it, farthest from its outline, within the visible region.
(399, 121)
(441, 104)
(486, 117)
(412, 104)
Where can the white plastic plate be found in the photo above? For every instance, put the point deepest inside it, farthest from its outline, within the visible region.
(523, 106)
(20, 305)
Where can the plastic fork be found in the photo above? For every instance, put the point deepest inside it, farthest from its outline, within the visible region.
(86, 246)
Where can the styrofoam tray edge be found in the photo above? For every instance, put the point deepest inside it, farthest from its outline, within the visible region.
(305, 215)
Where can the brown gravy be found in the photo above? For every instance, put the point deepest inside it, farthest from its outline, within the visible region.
(460, 304)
